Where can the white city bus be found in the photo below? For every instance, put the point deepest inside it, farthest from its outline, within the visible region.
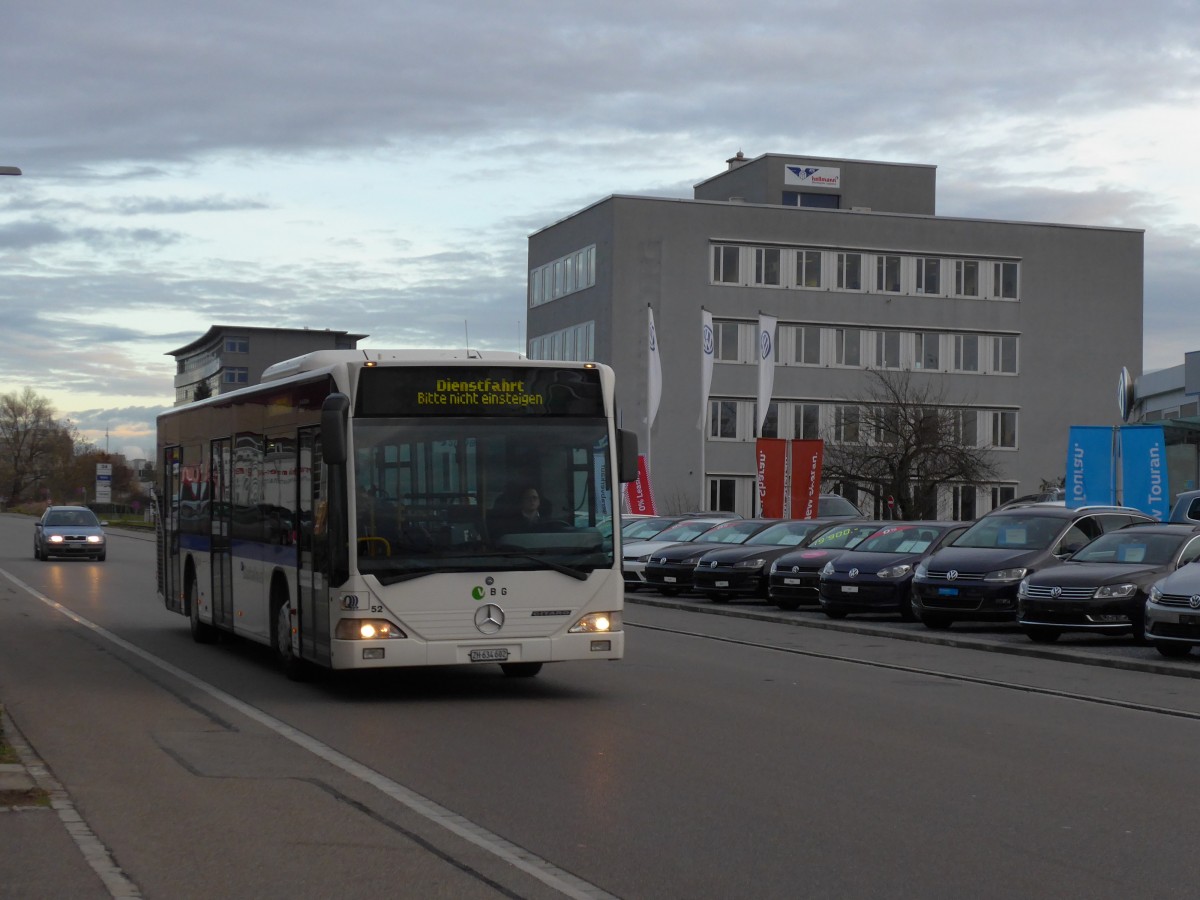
(358, 509)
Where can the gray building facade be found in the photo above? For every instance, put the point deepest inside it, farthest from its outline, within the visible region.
(1023, 326)
(227, 357)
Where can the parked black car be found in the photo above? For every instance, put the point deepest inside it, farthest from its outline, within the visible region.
(977, 575)
(796, 575)
(635, 554)
(669, 571)
(741, 570)
(876, 576)
(1103, 587)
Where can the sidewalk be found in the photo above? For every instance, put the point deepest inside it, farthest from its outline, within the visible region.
(48, 850)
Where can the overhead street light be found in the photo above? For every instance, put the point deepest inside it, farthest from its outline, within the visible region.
(9, 170)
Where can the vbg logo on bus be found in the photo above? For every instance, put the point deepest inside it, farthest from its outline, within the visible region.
(479, 592)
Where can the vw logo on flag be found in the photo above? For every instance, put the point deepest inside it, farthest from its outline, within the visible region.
(764, 340)
(709, 345)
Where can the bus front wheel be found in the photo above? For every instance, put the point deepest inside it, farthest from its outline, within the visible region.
(520, 670)
(293, 666)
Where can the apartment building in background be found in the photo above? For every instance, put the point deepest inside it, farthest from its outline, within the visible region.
(228, 357)
(1022, 326)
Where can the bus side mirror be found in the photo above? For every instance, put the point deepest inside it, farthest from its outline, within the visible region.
(334, 413)
(627, 455)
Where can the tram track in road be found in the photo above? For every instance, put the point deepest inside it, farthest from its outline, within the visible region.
(959, 677)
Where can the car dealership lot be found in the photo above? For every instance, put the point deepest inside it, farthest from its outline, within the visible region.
(996, 637)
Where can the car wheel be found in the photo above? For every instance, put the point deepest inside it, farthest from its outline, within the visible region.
(834, 613)
(907, 613)
(520, 670)
(1042, 635)
(788, 604)
(665, 591)
(1172, 650)
(936, 621)
(102, 557)
(37, 553)
(717, 598)
(631, 588)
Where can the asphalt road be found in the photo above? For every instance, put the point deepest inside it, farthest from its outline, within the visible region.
(733, 755)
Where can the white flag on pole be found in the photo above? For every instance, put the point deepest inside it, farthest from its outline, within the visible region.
(654, 377)
(707, 350)
(766, 365)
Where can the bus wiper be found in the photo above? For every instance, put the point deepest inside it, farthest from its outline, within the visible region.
(578, 574)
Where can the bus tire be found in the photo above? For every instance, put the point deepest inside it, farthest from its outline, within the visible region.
(281, 632)
(202, 632)
(520, 670)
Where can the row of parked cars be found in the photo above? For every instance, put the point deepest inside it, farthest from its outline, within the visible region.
(1051, 569)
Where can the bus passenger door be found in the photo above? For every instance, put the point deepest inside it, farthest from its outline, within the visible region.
(313, 557)
(169, 530)
(222, 544)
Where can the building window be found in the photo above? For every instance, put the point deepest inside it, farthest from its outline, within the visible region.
(966, 427)
(237, 344)
(723, 419)
(848, 349)
(849, 271)
(808, 269)
(565, 275)
(929, 275)
(887, 349)
(806, 421)
(806, 340)
(1004, 355)
(725, 336)
(927, 351)
(1003, 493)
(1004, 280)
(846, 424)
(236, 375)
(1004, 429)
(722, 494)
(770, 426)
(963, 502)
(766, 266)
(725, 264)
(887, 274)
(966, 353)
(966, 278)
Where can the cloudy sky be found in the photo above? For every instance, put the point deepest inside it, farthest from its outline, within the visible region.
(377, 167)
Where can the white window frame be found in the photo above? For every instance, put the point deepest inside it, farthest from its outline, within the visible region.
(805, 259)
(842, 270)
(722, 256)
(922, 275)
(961, 267)
(844, 339)
(881, 267)
(961, 342)
(763, 262)
(997, 280)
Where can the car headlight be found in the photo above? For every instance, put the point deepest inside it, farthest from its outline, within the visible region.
(56, 539)
(1023, 588)
(1156, 593)
(1006, 575)
(827, 570)
(750, 564)
(1115, 591)
(95, 539)
(596, 623)
(921, 571)
(691, 560)
(366, 630)
(774, 567)
(894, 571)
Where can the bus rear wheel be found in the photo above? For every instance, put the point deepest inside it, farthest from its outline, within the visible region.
(202, 632)
(520, 670)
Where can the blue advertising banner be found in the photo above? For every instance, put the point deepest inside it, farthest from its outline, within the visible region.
(1144, 470)
(1090, 473)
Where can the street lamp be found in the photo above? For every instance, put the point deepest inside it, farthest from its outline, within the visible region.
(9, 170)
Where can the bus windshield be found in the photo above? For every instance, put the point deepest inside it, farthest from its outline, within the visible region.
(476, 494)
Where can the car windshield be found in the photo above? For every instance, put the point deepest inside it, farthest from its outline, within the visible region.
(842, 537)
(784, 534)
(836, 506)
(900, 539)
(82, 518)
(734, 532)
(640, 529)
(1016, 532)
(1131, 547)
(684, 531)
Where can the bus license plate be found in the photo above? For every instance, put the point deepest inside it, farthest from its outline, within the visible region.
(497, 654)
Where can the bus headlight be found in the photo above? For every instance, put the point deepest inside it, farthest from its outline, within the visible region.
(598, 622)
(366, 630)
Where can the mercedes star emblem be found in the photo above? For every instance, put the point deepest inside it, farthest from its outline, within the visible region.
(489, 619)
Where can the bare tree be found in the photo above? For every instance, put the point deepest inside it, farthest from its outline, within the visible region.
(32, 443)
(903, 438)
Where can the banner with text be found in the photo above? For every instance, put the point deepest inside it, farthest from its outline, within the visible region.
(638, 494)
(770, 454)
(1144, 470)
(1090, 473)
(807, 458)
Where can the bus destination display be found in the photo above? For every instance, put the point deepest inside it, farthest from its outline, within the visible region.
(473, 391)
